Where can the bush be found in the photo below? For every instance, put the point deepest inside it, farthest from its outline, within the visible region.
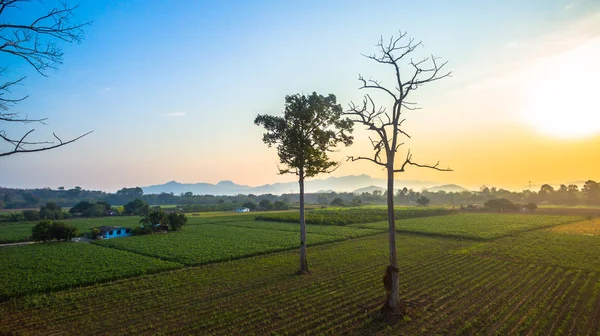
(31, 215)
(42, 231)
(531, 206)
(501, 204)
(141, 230)
(48, 230)
(95, 233)
(62, 231)
(16, 217)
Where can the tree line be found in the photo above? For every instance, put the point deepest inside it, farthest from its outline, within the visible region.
(588, 194)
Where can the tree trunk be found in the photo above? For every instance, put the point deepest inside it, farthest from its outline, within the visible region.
(303, 261)
(394, 294)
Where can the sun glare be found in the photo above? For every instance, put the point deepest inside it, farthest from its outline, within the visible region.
(563, 95)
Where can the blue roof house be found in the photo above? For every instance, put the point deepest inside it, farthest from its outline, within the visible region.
(108, 232)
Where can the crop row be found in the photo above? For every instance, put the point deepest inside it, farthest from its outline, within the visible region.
(201, 244)
(52, 266)
(475, 226)
(452, 293)
(546, 247)
(341, 231)
(351, 215)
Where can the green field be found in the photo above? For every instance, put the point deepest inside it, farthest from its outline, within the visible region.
(453, 293)
(342, 231)
(21, 231)
(345, 216)
(200, 244)
(51, 266)
(479, 226)
(514, 274)
(546, 247)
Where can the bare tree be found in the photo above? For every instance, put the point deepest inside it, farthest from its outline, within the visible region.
(388, 126)
(35, 43)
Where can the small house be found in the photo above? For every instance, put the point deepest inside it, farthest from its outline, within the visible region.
(242, 210)
(108, 232)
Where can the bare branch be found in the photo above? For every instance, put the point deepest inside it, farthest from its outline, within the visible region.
(33, 42)
(19, 149)
(352, 158)
(409, 161)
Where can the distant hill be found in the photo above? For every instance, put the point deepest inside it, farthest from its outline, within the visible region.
(348, 183)
(368, 189)
(447, 188)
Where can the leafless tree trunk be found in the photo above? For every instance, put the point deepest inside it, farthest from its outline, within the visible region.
(388, 128)
(34, 43)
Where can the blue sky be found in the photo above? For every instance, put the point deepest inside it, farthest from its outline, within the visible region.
(171, 88)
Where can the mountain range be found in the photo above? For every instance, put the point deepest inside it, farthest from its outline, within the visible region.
(351, 183)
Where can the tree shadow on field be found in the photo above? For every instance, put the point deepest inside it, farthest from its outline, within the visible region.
(380, 321)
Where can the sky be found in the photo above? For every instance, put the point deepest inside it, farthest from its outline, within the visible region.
(171, 89)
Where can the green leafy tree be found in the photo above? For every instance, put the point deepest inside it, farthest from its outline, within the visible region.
(49, 230)
(62, 231)
(250, 205)
(310, 128)
(50, 211)
(591, 192)
(137, 207)
(337, 202)
(423, 201)
(155, 218)
(81, 207)
(265, 204)
(42, 231)
(501, 204)
(279, 205)
(31, 215)
(176, 221)
(105, 205)
(410, 74)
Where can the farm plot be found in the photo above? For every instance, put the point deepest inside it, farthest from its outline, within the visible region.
(453, 293)
(330, 230)
(21, 231)
(557, 246)
(345, 216)
(474, 226)
(52, 266)
(201, 244)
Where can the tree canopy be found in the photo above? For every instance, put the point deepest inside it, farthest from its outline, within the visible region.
(311, 127)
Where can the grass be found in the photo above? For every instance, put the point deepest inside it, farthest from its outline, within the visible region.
(52, 266)
(474, 226)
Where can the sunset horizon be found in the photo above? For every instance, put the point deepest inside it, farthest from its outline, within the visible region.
(498, 120)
